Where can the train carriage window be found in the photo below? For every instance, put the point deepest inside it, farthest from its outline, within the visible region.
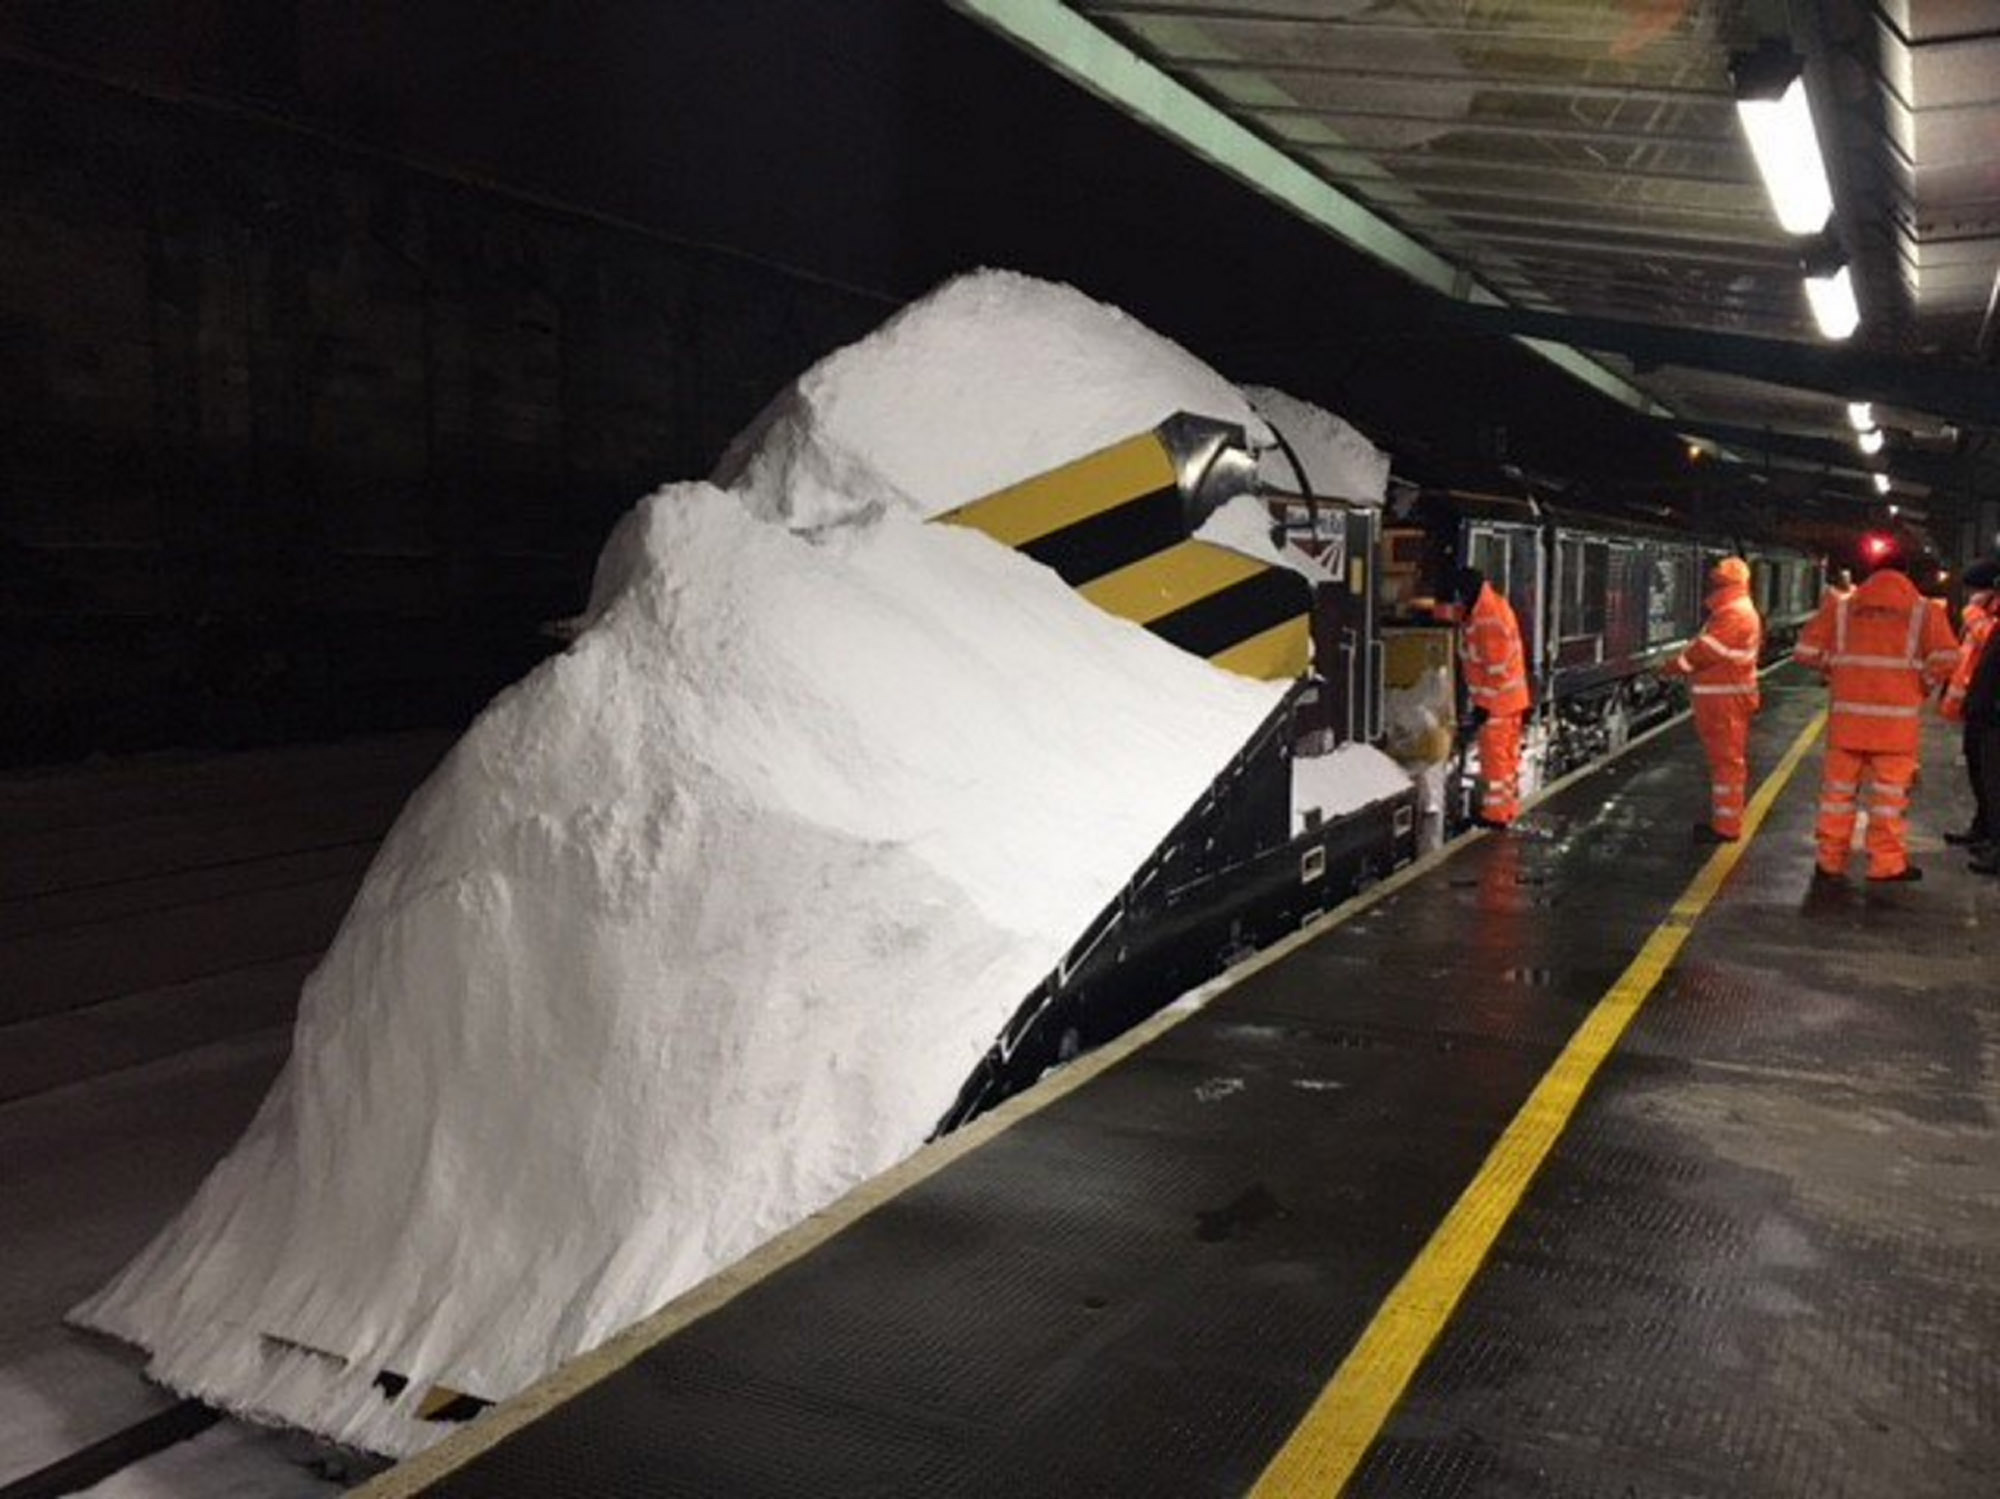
(1523, 589)
(1488, 552)
(1585, 574)
(1672, 596)
(1569, 573)
(1763, 587)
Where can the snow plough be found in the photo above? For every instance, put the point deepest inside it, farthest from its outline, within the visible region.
(1252, 860)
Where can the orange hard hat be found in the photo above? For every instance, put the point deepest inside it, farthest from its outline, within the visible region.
(1730, 570)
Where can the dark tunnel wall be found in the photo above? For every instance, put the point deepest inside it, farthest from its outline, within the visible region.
(336, 336)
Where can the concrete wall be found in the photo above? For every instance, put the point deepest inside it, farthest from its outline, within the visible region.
(298, 438)
(336, 332)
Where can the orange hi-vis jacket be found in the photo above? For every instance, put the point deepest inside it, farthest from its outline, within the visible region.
(1722, 659)
(1496, 670)
(1978, 625)
(1882, 648)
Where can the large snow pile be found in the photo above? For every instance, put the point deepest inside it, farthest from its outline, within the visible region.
(1353, 776)
(707, 919)
(991, 379)
(1244, 525)
(1339, 462)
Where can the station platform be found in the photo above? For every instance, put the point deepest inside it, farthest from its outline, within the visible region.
(1576, 1161)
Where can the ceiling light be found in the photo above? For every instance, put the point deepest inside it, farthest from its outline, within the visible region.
(1771, 102)
(1870, 441)
(1832, 301)
(1881, 484)
(1894, 511)
(1860, 415)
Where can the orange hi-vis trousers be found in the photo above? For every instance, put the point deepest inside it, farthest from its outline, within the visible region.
(1723, 722)
(1500, 768)
(1889, 778)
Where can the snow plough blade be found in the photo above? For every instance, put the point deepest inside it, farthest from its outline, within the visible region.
(1233, 875)
(1118, 526)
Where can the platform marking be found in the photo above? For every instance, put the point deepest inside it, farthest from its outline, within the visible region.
(413, 1475)
(1329, 1444)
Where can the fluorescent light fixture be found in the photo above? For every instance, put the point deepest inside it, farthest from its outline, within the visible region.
(1833, 306)
(1860, 415)
(1881, 484)
(1870, 441)
(1771, 102)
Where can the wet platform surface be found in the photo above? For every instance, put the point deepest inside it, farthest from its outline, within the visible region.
(1764, 1258)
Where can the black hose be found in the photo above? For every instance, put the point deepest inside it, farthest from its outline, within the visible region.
(1298, 468)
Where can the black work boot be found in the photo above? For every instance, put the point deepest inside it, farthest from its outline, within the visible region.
(1971, 838)
(1909, 874)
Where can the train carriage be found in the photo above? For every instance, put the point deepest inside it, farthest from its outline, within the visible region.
(1603, 601)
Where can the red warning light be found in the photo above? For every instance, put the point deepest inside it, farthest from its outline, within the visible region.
(1875, 546)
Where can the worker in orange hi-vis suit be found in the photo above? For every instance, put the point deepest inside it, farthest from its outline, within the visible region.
(1882, 648)
(1980, 580)
(1496, 676)
(1722, 664)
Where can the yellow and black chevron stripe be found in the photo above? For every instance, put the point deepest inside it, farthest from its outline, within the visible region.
(1116, 527)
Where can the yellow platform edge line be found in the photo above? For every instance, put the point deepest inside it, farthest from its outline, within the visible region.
(1328, 1445)
(1182, 574)
(1076, 492)
(412, 1476)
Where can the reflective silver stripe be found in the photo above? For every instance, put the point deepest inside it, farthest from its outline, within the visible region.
(1875, 710)
(1902, 663)
(1502, 688)
(1840, 624)
(1917, 628)
(1738, 689)
(1949, 658)
(1953, 692)
(1836, 809)
(1727, 653)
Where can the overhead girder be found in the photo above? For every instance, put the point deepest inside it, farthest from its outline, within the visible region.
(1967, 395)
(1937, 472)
